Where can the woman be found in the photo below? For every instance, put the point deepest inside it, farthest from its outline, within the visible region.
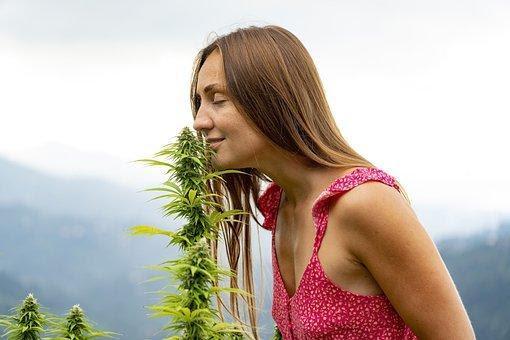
(350, 258)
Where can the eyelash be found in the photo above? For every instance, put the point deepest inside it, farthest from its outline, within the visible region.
(198, 102)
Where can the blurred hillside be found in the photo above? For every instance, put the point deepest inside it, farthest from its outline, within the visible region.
(65, 240)
(480, 268)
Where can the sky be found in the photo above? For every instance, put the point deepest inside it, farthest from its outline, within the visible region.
(420, 88)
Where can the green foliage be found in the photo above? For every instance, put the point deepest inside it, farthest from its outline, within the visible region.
(277, 335)
(76, 326)
(26, 323)
(190, 312)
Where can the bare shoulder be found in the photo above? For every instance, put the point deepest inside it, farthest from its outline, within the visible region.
(370, 209)
(367, 201)
(385, 235)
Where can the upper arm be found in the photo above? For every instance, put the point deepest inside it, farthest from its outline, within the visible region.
(386, 236)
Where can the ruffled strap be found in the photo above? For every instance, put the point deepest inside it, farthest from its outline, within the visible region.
(268, 203)
(269, 200)
(338, 188)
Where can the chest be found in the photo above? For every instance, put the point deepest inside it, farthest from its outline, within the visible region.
(294, 237)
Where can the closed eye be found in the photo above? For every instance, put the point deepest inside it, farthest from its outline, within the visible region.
(219, 102)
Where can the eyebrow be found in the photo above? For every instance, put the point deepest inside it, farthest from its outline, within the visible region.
(210, 87)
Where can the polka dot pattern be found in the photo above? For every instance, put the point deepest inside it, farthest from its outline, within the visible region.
(319, 309)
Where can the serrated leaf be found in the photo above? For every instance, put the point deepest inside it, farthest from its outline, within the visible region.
(150, 230)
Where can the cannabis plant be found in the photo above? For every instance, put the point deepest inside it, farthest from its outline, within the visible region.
(26, 322)
(190, 310)
(76, 326)
(277, 335)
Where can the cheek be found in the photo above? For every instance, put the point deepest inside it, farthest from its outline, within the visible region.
(248, 145)
(240, 135)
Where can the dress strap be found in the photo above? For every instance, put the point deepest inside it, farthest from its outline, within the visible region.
(320, 209)
(268, 203)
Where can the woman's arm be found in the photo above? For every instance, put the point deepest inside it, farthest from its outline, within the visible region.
(386, 236)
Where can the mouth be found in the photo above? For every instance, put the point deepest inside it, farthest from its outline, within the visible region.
(214, 143)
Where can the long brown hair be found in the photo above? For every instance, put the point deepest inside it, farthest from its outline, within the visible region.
(272, 80)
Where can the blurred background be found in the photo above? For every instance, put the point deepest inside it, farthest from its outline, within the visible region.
(420, 88)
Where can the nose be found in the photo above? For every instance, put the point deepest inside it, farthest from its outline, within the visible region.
(202, 121)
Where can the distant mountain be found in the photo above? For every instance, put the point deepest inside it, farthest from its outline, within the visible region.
(65, 240)
(81, 197)
(10, 288)
(66, 161)
(66, 260)
(480, 268)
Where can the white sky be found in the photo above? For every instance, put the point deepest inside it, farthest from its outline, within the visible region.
(420, 88)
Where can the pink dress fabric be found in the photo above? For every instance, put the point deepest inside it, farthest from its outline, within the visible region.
(320, 309)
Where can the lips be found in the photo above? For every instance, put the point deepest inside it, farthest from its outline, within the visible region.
(215, 142)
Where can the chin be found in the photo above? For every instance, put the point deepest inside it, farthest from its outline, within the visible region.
(219, 165)
(216, 163)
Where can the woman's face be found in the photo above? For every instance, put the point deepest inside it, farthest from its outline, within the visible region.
(217, 117)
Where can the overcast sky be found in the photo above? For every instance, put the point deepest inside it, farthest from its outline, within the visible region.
(420, 88)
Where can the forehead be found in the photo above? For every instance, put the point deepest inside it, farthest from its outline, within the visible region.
(211, 71)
